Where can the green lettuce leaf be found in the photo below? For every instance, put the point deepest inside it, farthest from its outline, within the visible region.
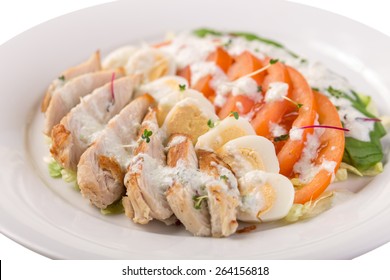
(360, 154)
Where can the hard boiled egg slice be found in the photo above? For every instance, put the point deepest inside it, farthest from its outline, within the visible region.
(248, 153)
(118, 57)
(162, 87)
(151, 63)
(224, 131)
(190, 118)
(167, 102)
(265, 196)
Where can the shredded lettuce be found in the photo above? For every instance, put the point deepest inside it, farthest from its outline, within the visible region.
(341, 175)
(68, 175)
(310, 208)
(114, 208)
(57, 171)
(54, 169)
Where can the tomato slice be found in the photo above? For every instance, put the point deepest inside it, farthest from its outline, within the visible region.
(244, 64)
(331, 149)
(271, 112)
(302, 94)
(240, 104)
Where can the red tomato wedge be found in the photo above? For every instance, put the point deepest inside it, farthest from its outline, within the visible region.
(301, 93)
(223, 60)
(240, 104)
(332, 149)
(203, 85)
(244, 64)
(185, 73)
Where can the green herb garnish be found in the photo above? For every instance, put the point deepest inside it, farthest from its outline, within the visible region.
(223, 177)
(182, 87)
(210, 123)
(197, 199)
(228, 43)
(234, 114)
(273, 61)
(146, 135)
(259, 88)
(283, 137)
(61, 78)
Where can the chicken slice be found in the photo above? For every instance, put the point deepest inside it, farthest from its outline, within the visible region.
(102, 166)
(91, 65)
(222, 192)
(68, 96)
(81, 126)
(186, 193)
(146, 178)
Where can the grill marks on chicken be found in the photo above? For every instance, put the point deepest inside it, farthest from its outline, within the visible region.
(103, 165)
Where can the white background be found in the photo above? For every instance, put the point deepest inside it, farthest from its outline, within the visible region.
(17, 16)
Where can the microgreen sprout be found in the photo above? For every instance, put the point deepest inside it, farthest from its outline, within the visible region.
(298, 105)
(234, 114)
(182, 87)
(210, 123)
(146, 135)
(223, 177)
(281, 138)
(197, 199)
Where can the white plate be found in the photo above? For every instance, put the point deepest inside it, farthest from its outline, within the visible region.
(47, 216)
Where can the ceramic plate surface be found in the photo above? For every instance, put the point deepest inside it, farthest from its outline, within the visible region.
(49, 217)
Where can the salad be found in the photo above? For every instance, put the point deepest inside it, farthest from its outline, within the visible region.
(208, 129)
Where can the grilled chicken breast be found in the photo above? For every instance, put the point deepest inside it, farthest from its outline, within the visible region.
(102, 166)
(185, 195)
(91, 65)
(68, 96)
(222, 192)
(145, 188)
(80, 127)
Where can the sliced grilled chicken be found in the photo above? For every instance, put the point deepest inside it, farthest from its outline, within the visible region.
(145, 178)
(80, 127)
(91, 65)
(102, 166)
(68, 96)
(222, 192)
(185, 196)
